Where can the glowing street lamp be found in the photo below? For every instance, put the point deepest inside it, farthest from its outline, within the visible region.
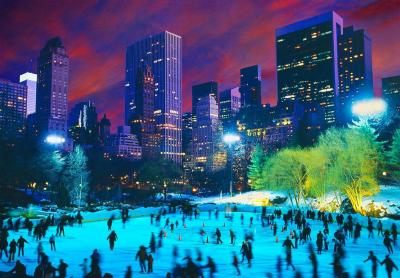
(369, 108)
(230, 139)
(54, 140)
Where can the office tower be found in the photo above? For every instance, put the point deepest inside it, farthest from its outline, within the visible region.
(163, 53)
(307, 68)
(229, 106)
(250, 86)
(391, 93)
(205, 133)
(29, 80)
(104, 130)
(355, 71)
(200, 91)
(187, 132)
(12, 110)
(124, 144)
(82, 123)
(52, 89)
(142, 119)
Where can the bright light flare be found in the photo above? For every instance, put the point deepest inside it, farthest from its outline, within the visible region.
(231, 138)
(369, 108)
(54, 139)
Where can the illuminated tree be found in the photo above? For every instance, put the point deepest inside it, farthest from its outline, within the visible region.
(394, 157)
(256, 167)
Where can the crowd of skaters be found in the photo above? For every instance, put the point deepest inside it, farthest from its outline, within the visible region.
(346, 229)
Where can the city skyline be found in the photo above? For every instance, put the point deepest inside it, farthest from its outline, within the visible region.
(209, 53)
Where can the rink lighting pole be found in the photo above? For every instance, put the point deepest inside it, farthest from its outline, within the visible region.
(230, 139)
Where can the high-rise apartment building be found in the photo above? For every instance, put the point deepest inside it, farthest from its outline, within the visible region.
(12, 110)
(52, 89)
(355, 71)
(163, 54)
(29, 80)
(124, 144)
(202, 90)
(391, 93)
(229, 106)
(250, 86)
(307, 63)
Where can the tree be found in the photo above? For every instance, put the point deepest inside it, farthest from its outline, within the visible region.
(76, 175)
(394, 156)
(256, 167)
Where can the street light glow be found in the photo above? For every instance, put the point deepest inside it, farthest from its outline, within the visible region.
(369, 108)
(231, 138)
(54, 139)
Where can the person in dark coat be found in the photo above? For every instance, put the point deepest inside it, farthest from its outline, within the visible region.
(288, 248)
(112, 237)
(218, 235)
(21, 244)
(142, 256)
(150, 261)
(19, 270)
(62, 269)
(13, 250)
(374, 261)
(389, 265)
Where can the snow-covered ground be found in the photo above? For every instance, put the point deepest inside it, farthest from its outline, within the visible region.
(79, 243)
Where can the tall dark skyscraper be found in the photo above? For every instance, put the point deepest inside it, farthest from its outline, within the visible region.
(52, 89)
(391, 93)
(307, 67)
(229, 106)
(355, 70)
(12, 110)
(250, 86)
(187, 132)
(142, 122)
(104, 130)
(202, 90)
(163, 53)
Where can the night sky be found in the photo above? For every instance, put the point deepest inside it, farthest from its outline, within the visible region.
(219, 37)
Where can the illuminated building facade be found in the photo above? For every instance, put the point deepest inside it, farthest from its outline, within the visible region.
(124, 144)
(12, 110)
(82, 123)
(205, 133)
(307, 68)
(52, 89)
(163, 53)
(29, 80)
(250, 86)
(355, 70)
(200, 91)
(391, 93)
(229, 106)
(142, 121)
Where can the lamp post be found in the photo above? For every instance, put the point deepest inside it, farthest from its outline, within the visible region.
(230, 139)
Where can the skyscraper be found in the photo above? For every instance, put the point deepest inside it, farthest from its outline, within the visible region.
(124, 144)
(142, 121)
(29, 80)
(307, 67)
(52, 89)
(12, 110)
(202, 90)
(250, 86)
(163, 53)
(205, 132)
(391, 93)
(355, 70)
(229, 106)
(187, 132)
(104, 130)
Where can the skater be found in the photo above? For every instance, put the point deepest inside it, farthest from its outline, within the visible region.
(39, 251)
(288, 248)
(314, 262)
(389, 265)
(19, 270)
(62, 269)
(235, 264)
(357, 232)
(320, 240)
(12, 251)
(152, 244)
(387, 241)
(150, 261)
(84, 267)
(379, 226)
(112, 237)
(21, 244)
(128, 273)
(233, 237)
(109, 222)
(79, 218)
(52, 242)
(374, 261)
(218, 235)
(142, 256)
(370, 228)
